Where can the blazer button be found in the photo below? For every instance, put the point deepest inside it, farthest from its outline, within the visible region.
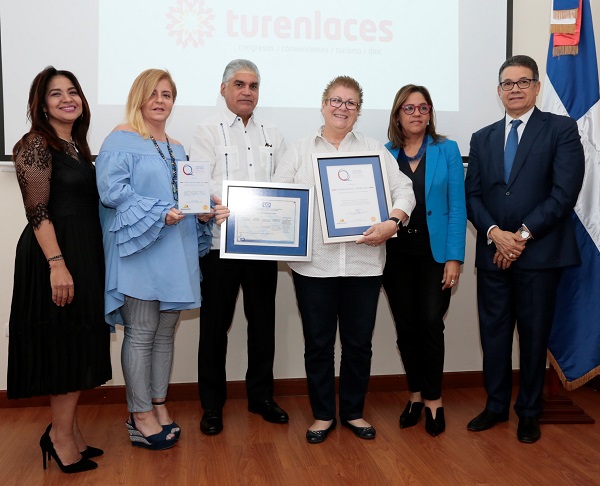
(507, 193)
(428, 213)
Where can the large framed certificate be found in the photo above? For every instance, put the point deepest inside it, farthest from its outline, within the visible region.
(353, 193)
(268, 221)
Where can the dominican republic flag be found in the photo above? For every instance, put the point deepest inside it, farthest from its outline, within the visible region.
(572, 89)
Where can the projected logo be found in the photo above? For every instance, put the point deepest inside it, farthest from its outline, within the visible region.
(190, 22)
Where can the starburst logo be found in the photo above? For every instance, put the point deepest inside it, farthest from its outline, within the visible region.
(190, 22)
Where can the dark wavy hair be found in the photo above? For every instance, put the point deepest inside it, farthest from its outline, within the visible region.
(40, 123)
(395, 134)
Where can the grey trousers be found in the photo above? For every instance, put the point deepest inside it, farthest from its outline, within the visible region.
(147, 351)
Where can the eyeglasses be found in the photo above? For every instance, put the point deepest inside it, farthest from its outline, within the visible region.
(410, 109)
(521, 83)
(337, 103)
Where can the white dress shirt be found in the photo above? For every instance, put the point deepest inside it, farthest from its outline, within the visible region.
(342, 259)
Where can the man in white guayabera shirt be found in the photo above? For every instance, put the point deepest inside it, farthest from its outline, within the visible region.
(239, 146)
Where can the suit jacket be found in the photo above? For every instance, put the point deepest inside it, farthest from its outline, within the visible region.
(444, 199)
(541, 192)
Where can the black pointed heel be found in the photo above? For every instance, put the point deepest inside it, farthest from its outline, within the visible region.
(435, 426)
(411, 414)
(48, 452)
(89, 452)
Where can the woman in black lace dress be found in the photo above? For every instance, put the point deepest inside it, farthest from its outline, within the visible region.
(59, 343)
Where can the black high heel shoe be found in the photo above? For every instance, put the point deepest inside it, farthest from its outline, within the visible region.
(435, 426)
(411, 414)
(88, 453)
(48, 451)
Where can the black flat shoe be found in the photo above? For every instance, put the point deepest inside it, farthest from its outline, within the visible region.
(318, 436)
(411, 414)
(366, 433)
(528, 430)
(270, 411)
(486, 420)
(212, 422)
(435, 426)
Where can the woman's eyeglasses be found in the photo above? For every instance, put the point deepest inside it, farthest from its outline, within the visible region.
(337, 103)
(410, 109)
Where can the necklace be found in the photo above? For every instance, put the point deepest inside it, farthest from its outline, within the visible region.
(417, 156)
(173, 165)
(70, 142)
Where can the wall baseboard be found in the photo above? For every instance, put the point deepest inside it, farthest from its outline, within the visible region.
(237, 389)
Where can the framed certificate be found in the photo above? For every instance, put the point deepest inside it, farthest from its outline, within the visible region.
(268, 221)
(353, 193)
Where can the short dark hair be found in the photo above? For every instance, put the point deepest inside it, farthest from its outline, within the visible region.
(523, 61)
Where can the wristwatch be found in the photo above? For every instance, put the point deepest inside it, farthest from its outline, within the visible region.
(397, 221)
(524, 233)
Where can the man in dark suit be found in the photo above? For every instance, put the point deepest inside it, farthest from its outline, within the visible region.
(522, 183)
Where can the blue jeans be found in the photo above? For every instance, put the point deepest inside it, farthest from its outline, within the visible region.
(147, 351)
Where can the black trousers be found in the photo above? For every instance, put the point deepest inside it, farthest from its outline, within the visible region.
(322, 302)
(221, 281)
(528, 297)
(413, 284)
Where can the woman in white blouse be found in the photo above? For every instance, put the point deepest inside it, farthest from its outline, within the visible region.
(342, 281)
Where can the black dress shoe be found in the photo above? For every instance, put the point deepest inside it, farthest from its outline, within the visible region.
(362, 432)
(411, 414)
(318, 436)
(212, 422)
(435, 426)
(528, 430)
(486, 420)
(270, 411)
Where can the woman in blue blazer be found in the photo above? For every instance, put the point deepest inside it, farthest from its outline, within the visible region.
(423, 262)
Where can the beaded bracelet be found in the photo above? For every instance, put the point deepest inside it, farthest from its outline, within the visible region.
(55, 258)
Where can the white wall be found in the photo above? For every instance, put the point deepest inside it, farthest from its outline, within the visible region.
(463, 352)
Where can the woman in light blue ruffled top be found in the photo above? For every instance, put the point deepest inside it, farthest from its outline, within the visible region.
(151, 252)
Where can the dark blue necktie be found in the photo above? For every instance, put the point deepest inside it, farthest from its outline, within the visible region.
(512, 142)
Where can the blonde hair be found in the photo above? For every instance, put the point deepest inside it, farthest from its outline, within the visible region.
(346, 82)
(140, 92)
